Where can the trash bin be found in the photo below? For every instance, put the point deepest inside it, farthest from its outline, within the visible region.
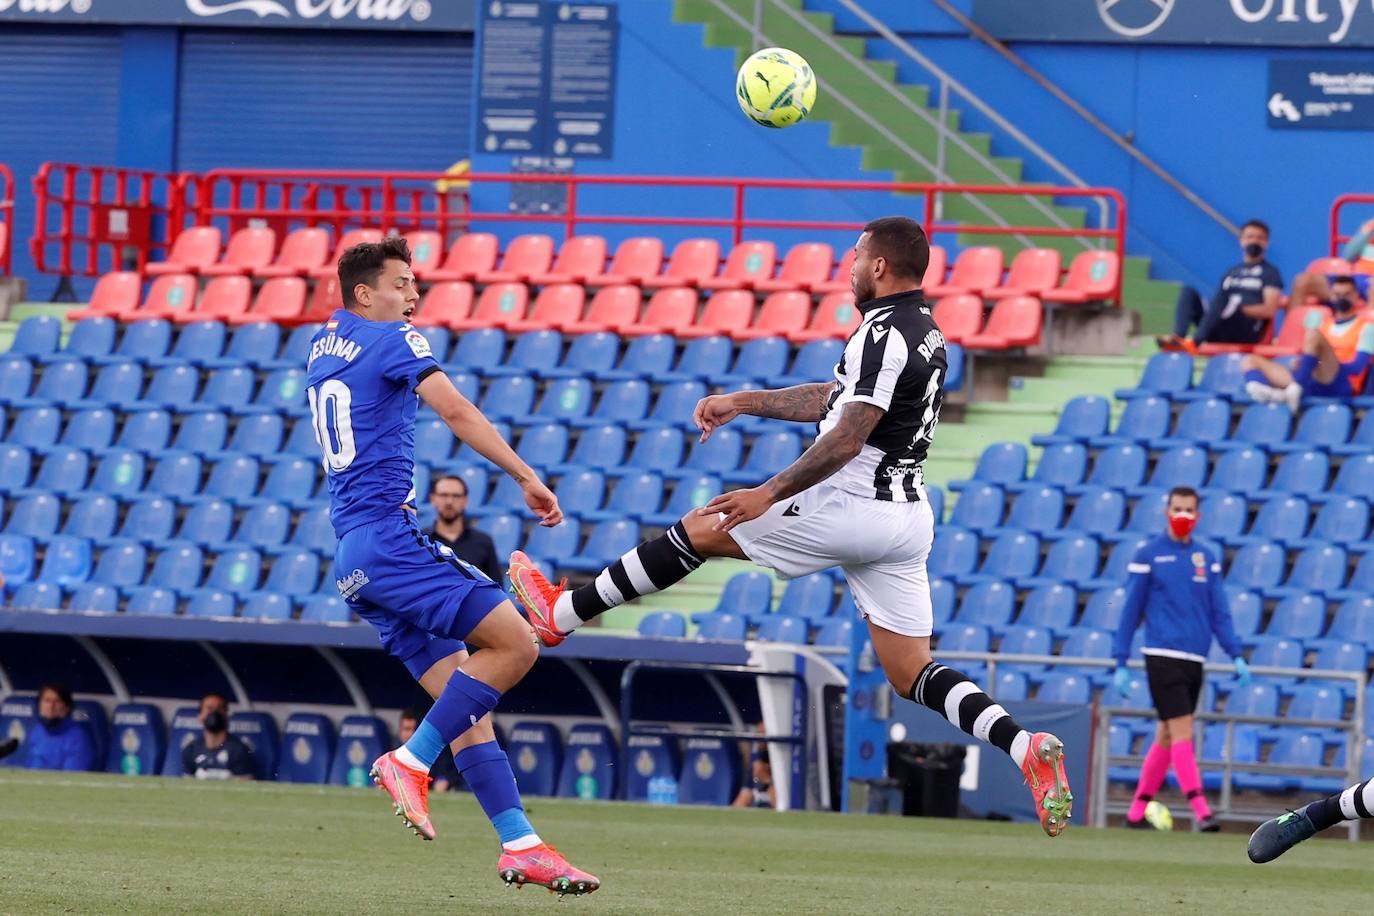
(928, 775)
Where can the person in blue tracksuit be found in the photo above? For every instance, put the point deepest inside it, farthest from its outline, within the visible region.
(1175, 586)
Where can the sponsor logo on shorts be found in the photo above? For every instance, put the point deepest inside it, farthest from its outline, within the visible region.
(350, 584)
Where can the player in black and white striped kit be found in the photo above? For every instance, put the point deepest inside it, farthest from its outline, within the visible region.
(855, 499)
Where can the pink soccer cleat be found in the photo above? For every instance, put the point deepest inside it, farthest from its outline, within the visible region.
(409, 791)
(538, 595)
(1044, 772)
(544, 866)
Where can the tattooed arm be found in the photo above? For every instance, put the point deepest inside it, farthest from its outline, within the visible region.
(803, 403)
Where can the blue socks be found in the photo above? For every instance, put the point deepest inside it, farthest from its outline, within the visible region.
(486, 770)
(1254, 375)
(463, 702)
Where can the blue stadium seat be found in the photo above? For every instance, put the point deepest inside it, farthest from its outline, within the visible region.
(1037, 509)
(283, 391)
(18, 717)
(1060, 687)
(306, 748)
(810, 597)
(263, 526)
(37, 596)
(531, 351)
(507, 532)
(621, 402)
(1117, 467)
(1222, 378)
(300, 440)
(1024, 640)
(1355, 478)
(63, 471)
(1277, 520)
(148, 521)
(117, 385)
(1010, 686)
(258, 730)
(1115, 572)
(314, 531)
(1146, 516)
(645, 358)
(651, 767)
(478, 351)
(1098, 511)
(1361, 441)
(1317, 569)
(717, 455)
(721, 626)
(634, 496)
(689, 492)
(1255, 699)
(16, 378)
(16, 560)
(1072, 560)
(586, 356)
(1240, 470)
(783, 628)
(62, 383)
(1293, 748)
(758, 361)
(954, 553)
(90, 337)
(177, 476)
(178, 567)
(150, 430)
(92, 430)
(291, 481)
(259, 435)
(815, 362)
(1223, 516)
(673, 406)
(66, 561)
(1082, 418)
(1342, 520)
(121, 565)
(184, 728)
(581, 493)
(590, 764)
(119, 474)
(958, 637)
(36, 428)
(1261, 426)
(1246, 610)
(1354, 620)
(535, 753)
(663, 624)
(1103, 610)
(936, 497)
(835, 632)
(942, 599)
(197, 343)
(231, 479)
(509, 398)
(205, 524)
(1321, 427)
(1201, 423)
(566, 400)
(703, 359)
(1060, 465)
(770, 453)
(362, 739)
(1083, 642)
(1257, 567)
(1276, 652)
(295, 573)
(91, 714)
(1245, 745)
(91, 596)
(16, 466)
(545, 443)
(596, 447)
(980, 507)
(608, 541)
(265, 606)
(138, 740)
(1299, 616)
(35, 516)
(1299, 473)
(954, 356)
(228, 389)
(748, 594)
(1166, 374)
(256, 345)
(1002, 463)
(710, 772)
(1338, 655)
(1185, 466)
(989, 604)
(209, 602)
(325, 609)
(556, 544)
(1050, 607)
(1315, 701)
(655, 450)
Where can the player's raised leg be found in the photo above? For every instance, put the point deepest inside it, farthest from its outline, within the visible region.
(1278, 835)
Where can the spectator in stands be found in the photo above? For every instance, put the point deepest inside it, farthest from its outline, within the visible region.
(444, 771)
(59, 742)
(759, 791)
(449, 497)
(1175, 585)
(1244, 303)
(1336, 349)
(1359, 251)
(216, 754)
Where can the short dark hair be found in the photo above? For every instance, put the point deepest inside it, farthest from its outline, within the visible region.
(411, 713)
(1343, 278)
(64, 693)
(434, 484)
(903, 243)
(1185, 492)
(364, 264)
(219, 696)
(1259, 224)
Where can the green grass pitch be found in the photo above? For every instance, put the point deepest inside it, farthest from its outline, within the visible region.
(85, 843)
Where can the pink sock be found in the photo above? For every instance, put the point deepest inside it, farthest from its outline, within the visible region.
(1185, 771)
(1152, 773)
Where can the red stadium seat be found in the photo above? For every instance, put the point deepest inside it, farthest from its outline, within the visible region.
(693, 261)
(525, 256)
(426, 250)
(1033, 272)
(976, 270)
(325, 300)
(1290, 337)
(635, 261)
(115, 293)
(1014, 322)
(958, 316)
(935, 269)
(350, 238)
(835, 317)
(805, 266)
(555, 306)
(443, 304)
(840, 282)
(581, 257)
(281, 299)
(1092, 278)
(499, 304)
(167, 296)
(249, 249)
(223, 298)
(727, 312)
(1332, 266)
(783, 314)
(612, 308)
(472, 254)
(303, 251)
(747, 264)
(668, 312)
(193, 249)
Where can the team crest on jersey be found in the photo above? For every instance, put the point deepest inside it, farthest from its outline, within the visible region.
(418, 343)
(1199, 567)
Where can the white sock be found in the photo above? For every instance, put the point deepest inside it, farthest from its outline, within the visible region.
(1020, 746)
(564, 617)
(1261, 393)
(528, 841)
(404, 755)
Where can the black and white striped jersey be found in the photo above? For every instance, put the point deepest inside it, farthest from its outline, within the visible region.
(896, 360)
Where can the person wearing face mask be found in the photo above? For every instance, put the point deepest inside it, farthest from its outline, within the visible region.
(1358, 253)
(216, 754)
(1246, 300)
(1175, 585)
(1336, 350)
(59, 742)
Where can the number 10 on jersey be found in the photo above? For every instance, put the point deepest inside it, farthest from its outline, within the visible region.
(329, 415)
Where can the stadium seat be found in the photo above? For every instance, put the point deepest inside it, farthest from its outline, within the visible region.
(635, 260)
(93, 337)
(185, 728)
(1033, 272)
(1301, 473)
(36, 428)
(63, 471)
(691, 492)
(92, 517)
(726, 313)
(1001, 463)
(1277, 520)
(1009, 686)
(1184, 466)
(1341, 655)
(303, 251)
(954, 553)
(307, 747)
(710, 772)
(199, 343)
(1098, 511)
(1288, 340)
(669, 310)
(1200, 423)
(1244, 749)
(362, 739)
(1064, 688)
(208, 602)
(613, 307)
(580, 258)
(839, 280)
(959, 316)
(608, 541)
(1222, 377)
(525, 257)
(1299, 616)
(1013, 555)
(498, 305)
(249, 249)
(557, 305)
(35, 515)
(1059, 466)
(834, 319)
(258, 730)
(806, 265)
(471, 254)
(1037, 509)
(988, 604)
(781, 313)
(1257, 566)
(748, 594)
(662, 624)
(1240, 470)
(535, 752)
(565, 400)
(770, 453)
(193, 249)
(325, 609)
(1166, 375)
(782, 628)
(1049, 607)
(810, 597)
(37, 337)
(18, 716)
(37, 596)
(1322, 426)
(748, 263)
(651, 768)
(835, 633)
(1073, 560)
(976, 270)
(980, 507)
(1014, 323)
(66, 561)
(590, 764)
(115, 296)
(147, 521)
(138, 740)
(1082, 418)
(941, 601)
(721, 627)
(170, 296)
(16, 466)
(692, 261)
(1114, 573)
(1092, 277)
(1276, 652)
(281, 299)
(1354, 620)
(704, 359)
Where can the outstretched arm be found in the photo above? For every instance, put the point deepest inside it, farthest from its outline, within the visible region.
(803, 403)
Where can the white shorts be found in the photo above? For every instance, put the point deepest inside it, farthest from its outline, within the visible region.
(880, 546)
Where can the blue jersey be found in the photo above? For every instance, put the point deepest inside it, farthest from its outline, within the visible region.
(1177, 588)
(362, 376)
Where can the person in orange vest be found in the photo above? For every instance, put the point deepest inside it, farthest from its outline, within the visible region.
(1358, 251)
(1336, 350)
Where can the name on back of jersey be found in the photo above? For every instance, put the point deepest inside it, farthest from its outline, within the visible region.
(934, 341)
(334, 345)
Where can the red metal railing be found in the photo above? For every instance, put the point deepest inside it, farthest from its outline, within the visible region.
(1337, 240)
(404, 201)
(89, 219)
(6, 219)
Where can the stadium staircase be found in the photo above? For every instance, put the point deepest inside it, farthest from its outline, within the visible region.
(1153, 299)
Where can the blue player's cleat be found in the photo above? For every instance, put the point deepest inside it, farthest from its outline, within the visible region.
(1276, 836)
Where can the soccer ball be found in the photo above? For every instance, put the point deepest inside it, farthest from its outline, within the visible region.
(1159, 816)
(776, 87)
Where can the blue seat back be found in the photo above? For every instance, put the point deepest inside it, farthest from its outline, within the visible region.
(91, 429)
(783, 628)
(37, 596)
(1082, 417)
(62, 382)
(722, 626)
(651, 770)
(16, 377)
(1184, 466)
(1065, 688)
(1256, 699)
(184, 728)
(67, 561)
(589, 353)
(648, 354)
(34, 516)
(229, 388)
(809, 597)
(545, 443)
(294, 572)
(1014, 554)
(211, 602)
(705, 357)
(283, 390)
(836, 632)
(1342, 520)
(1224, 516)
(121, 565)
(150, 430)
(259, 435)
(1098, 511)
(268, 606)
(325, 609)
(535, 753)
(149, 519)
(1223, 375)
(1121, 556)
(1299, 617)
(772, 452)
(662, 624)
(178, 566)
(816, 360)
(307, 748)
(1264, 424)
(18, 717)
(1167, 373)
(91, 337)
(1037, 509)
(1204, 421)
(1050, 607)
(1144, 419)
(479, 349)
(1324, 424)
(988, 603)
(676, 401)
(1061, 465)
(611, 539)
(718, 454)
(589, 764)
(265, 524)
(954, 553)
(258, 730)
(92, 596)
(566, 399)
(622, 401)
(660, 450)
(1301, 473)
(36, 427)
(748, 594)
(599, 446)
(1319, 568)
(138, 740)
(509, 398)
(1354, 620)
(362, 739)
(980, 507)
(1356, 477)
(1119, 466)
(1256, 566)
(556, 544)
(762, 357)
(1003, 462)
(710, 772)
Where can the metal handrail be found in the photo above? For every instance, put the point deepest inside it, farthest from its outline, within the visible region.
(1337, 240)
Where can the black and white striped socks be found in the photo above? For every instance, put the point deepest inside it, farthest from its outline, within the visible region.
(1353, 803)
(650, 567)
(969, 709)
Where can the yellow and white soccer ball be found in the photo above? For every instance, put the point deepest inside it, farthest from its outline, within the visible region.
(776, 87)
(1159, 816)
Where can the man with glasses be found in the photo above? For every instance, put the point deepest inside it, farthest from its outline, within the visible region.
(449, 497)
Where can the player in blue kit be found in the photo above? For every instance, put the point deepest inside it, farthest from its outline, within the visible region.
(367, 366)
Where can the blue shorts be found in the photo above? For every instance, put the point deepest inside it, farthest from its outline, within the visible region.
(422, 599)
(1338, 387)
